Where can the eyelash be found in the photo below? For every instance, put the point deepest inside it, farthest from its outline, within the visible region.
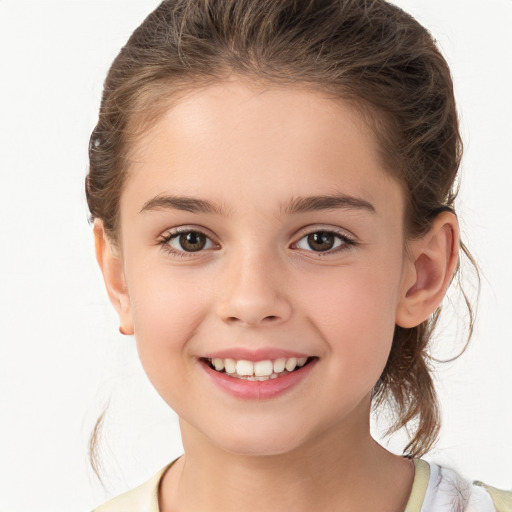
(346, 241)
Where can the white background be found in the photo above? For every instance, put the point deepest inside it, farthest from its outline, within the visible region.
(61, 357)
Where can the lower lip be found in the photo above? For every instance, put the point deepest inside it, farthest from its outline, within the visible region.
(258, 390)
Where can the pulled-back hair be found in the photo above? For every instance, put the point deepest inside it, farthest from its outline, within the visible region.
(367, 52)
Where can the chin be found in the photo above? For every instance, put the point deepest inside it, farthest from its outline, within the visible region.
(256, 442)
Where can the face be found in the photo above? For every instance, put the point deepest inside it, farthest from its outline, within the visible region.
(260, 231)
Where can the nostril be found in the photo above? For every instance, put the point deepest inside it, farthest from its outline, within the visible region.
(270, 318)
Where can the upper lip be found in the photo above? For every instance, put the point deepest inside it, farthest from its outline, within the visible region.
(260, 354)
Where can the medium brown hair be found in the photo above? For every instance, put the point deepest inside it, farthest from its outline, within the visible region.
(368, 52)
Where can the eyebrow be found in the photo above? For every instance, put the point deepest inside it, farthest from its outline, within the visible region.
(326, 202)
(187, 204)
(294, 205)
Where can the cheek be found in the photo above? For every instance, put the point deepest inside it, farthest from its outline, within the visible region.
(166, 308)
(166, 313)
(355, 313)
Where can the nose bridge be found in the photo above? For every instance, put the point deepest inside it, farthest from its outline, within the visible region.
(251, 290)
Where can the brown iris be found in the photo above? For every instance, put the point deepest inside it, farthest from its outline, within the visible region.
(192, 241)
(321, 241)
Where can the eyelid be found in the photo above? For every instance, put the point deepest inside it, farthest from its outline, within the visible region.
(315, 228)
(185, 229)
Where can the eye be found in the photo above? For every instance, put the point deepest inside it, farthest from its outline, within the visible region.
(187, 241)
(323, 241)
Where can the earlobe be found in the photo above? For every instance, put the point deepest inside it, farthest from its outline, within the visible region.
(432, 261)
(111, 266)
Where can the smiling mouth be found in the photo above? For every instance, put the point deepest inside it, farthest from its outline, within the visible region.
(257, 370)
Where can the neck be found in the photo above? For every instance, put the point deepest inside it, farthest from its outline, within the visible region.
(334, 472)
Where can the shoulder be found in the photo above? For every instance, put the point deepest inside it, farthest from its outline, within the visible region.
(447, 491)
(143, 498)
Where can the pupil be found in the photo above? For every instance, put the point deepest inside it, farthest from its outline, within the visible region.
(192, 241)
(321, 241)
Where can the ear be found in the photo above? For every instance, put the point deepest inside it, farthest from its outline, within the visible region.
(431, 262)
(111, 265)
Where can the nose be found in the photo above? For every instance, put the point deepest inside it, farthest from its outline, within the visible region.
(253, 292)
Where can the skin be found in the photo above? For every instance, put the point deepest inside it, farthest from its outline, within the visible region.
(257, 283)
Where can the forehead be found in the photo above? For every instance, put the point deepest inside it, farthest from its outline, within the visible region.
(258, 141)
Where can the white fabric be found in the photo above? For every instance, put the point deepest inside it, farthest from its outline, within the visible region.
(480, 500)
(449, 492)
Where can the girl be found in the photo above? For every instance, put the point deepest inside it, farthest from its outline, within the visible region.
(272, 188)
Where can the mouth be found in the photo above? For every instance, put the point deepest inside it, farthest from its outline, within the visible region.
(259, 371)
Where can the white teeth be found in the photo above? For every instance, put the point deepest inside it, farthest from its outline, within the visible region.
(259, 370)
(263, 368)
(230, 365)
(291, 364)
(244, 367)
(218, 364)
(279, 365)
